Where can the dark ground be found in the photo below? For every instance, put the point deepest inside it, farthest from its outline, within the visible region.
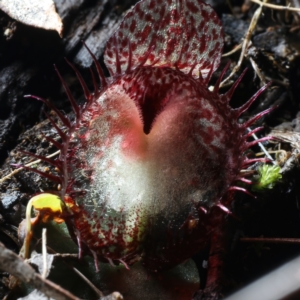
(26, 67)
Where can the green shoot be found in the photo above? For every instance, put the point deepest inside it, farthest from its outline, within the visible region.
(268, 177)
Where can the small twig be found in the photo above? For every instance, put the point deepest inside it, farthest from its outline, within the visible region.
(278, 82)
(44, 252)
(278, 7)
(13, 264)
(245, 44)
(279, 160)
(82, 276)
(10, 235)
(64, 255)
(230, 7)
(271, 152)
(14, 172)
(257, 71)
(271, 240)
(112, 296)
(237, 48)
(262, 147)
(246, 172)
(88, 282)
(295, 28)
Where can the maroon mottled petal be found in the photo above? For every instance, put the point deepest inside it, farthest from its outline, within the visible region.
(182, 34)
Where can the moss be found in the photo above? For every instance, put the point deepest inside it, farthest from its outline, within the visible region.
(268, 177)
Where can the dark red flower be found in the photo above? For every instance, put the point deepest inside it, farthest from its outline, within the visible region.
(153, 152)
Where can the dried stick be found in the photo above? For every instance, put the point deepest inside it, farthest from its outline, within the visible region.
(262, 147)
(88, 282)
(237, 48)
(271, 240)
(27, 165)
(13, 264)
(245, 44)
(278, 7)
(257, 71)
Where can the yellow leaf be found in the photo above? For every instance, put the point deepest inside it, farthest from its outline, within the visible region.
(47, 201)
